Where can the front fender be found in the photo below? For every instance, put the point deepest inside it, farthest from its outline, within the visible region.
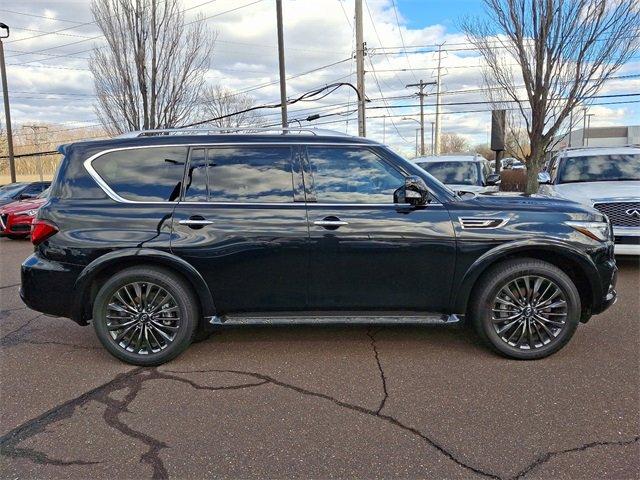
(524, 248)
(135, 256)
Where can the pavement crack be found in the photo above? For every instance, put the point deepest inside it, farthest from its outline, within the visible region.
(383, 378)
(10, 286)
(15, 336)
(132, 381)
(546, 457)
(356, 408)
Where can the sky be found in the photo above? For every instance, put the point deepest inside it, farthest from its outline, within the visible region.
(49, 80)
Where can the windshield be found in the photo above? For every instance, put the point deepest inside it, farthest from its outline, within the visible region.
(9, 191)
(457, 173)
(599, 168)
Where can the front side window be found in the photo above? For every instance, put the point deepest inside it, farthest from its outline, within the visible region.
(144, 174)
(242, 174)
(454, 172)
(352, 175)
(599, 168)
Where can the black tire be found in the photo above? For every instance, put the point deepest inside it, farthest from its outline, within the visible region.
(489, 293)
(185, 307)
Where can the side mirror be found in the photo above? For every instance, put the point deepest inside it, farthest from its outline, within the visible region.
(544, 178)
(414, 192)
(492, 179)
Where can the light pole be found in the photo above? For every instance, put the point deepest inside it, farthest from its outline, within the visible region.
(587, 130)
(7, 112)
(418, 130)
(432, 146)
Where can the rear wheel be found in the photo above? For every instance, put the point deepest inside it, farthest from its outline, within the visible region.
(526, 309)
(145, 315)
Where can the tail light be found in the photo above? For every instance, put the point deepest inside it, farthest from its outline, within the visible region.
(41, 230)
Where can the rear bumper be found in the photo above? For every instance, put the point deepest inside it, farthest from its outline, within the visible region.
(47, 286)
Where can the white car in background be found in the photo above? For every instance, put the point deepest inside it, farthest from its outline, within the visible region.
(460, 172)
(608, 178)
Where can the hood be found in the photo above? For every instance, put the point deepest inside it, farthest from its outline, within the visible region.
(23, 205)
(515, 201)
(590, 192)
(466, 188)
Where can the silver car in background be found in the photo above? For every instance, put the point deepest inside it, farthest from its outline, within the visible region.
(607, 178)
(467, 173)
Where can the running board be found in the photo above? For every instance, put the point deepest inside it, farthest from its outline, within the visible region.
(335, 318)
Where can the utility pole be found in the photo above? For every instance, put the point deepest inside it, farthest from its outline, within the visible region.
(283, 79)
(417, 131)
(362, 125)
(36, 141)
(432, 128)
(7, 112)
(438, 82)
(421, 94)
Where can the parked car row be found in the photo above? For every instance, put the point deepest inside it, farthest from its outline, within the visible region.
(471, 173)
(19, 205)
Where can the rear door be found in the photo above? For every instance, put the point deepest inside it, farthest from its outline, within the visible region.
(242, 224)
(366, 252)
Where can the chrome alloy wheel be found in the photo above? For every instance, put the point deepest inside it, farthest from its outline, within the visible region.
(142, 318)
(529, 312)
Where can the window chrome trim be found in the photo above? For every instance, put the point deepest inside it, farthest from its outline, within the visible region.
(88, 165)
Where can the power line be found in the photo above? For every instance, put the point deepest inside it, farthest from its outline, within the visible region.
(395, 11)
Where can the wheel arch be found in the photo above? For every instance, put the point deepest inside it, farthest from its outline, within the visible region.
(87, 283)
(574, 263)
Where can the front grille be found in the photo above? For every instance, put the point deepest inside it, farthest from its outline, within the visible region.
(621, 214)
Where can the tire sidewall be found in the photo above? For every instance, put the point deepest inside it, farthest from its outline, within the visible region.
(173, 285)
(486, 303)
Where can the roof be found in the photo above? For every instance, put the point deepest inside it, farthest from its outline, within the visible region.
(591, 151)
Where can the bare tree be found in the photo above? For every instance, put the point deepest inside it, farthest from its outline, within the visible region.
(564, 51)
(453, 143)
(151, 72)
(218, 101)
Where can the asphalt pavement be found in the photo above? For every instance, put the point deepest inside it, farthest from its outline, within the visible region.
(318, 402)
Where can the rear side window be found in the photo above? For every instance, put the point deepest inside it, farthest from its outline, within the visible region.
(243, 174)
(144, 174)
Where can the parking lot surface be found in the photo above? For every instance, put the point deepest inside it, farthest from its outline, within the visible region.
(318, 402)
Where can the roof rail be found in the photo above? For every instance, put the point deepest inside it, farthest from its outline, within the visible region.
(231, 130)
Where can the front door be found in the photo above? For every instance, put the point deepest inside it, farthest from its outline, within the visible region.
(366, 252)
(240, 226)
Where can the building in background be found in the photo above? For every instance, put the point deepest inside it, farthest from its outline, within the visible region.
(600, 137)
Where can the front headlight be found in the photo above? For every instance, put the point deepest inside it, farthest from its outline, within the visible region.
(599, 231)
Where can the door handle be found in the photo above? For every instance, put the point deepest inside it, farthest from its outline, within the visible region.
(195, 222)
(330, 223)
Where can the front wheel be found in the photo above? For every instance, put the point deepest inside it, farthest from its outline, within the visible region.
(526, 309)
(145, 315)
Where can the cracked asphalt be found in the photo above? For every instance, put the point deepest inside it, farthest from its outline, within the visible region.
(318, 402)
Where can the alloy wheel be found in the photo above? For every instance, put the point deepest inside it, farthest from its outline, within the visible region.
(142, 318)
(529, 312)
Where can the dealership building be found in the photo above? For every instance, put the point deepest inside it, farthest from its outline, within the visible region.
(601, 137)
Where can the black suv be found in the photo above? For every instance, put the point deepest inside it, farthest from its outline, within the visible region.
(161, 237)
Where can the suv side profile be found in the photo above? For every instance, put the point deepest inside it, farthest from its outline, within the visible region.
(159, 238)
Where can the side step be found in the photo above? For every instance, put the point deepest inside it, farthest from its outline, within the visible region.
(329, 318)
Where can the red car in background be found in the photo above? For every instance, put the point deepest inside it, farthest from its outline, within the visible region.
(16, 217)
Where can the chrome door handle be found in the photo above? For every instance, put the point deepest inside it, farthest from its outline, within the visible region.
(330, 223)
(199, 223)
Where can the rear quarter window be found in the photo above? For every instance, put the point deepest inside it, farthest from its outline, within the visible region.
(144, 174)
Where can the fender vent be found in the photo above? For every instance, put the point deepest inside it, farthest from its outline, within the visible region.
(482, 222)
